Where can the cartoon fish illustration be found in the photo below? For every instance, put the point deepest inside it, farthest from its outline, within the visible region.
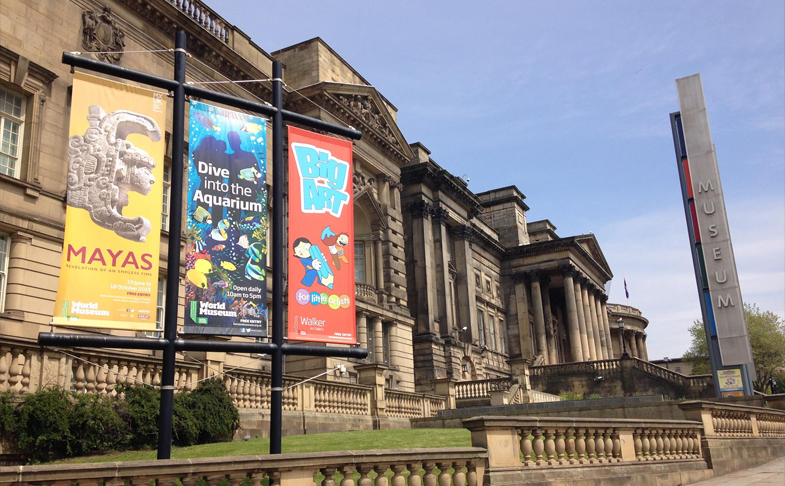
(250, 174)
(256, 251)
(206, 122)
(253, 128)
(202, 215)
(250, 222)
(228, 266)
(243, 241)
(203, 266)
(219, 247)
(224, 224)
(197, 278)
(221, 284)
(218, 235)
(254, 271)
(198, 244)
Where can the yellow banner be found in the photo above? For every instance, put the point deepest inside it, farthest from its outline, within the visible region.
(109, 270)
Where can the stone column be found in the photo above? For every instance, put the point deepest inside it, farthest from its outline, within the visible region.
(607, 324)
(600, 324)
(633, 344)
(522, 315)
(378, 344)
(589, 322)
(622, 344)
(581, 319)
(572, 313)
(422, 251)
(639, 346)
(464, 261)
(644, 349)
(550, 337)
(362, 329)
(377, 253)
(539, 317)
(446, 319)
(20, 255)
(595, 328)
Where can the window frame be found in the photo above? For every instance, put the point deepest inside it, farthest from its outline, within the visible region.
(166, 199)
(481, 327)
(6, 117)
(359, 265)
(4, 261)
(160, 309)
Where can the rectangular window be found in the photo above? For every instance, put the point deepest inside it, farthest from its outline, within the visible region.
(4, 247)
(481, 327)
(492, 331)
(359, 262)
(159, 309)
(165, 200)
(11, 124)
(502, 336)
(678, 369)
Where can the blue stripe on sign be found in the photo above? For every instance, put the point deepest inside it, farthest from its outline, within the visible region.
(712, 325)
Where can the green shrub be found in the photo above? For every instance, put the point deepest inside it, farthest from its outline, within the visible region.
(139, 411)
(6, 413)
(214, 411)
(185, 427)
(96, 425)
(570, 395)
(42, 424)
(594, 396)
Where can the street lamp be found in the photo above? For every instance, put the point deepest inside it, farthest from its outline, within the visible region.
(624, 354)
(667, 360)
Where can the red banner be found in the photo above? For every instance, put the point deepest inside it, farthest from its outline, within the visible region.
(321, 239)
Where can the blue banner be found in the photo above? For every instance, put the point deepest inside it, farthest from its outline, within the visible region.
(226, 250)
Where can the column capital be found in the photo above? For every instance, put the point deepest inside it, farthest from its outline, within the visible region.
(545, 279)
(21, 237)
(567, 269)
(583, 280)
(531, 275)
(420, 209)
(439, 215)
(463, 232)
(603, 298)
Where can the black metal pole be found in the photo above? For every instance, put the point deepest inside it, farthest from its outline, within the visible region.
(276, 397)
(173, 261)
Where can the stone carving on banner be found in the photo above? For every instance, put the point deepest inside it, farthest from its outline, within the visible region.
(103, 168)
(100, 33)
(363, 108)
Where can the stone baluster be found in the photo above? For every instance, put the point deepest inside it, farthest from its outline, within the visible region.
(445, 478)
(608, 435)
(15, 371)
(639, 444)
(100, 376)
(430, 477)
(561, 446)
(569, 435)
(111, 377)
(666, 443)
(538, 445)
(364, 479)
(679, 444)
(550, 446)
(602, 454)
(616, 446)
(580, 445)
(90, 384)
(328, 473)
(347, 471)
(381, 479)
(526, 446)
(26, 372)
(79, 378)
(458, 477)
(591, 445)
(660, 445)
(3, 370)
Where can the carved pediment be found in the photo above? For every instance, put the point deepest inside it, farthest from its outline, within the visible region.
(592, 247)
(364, 108)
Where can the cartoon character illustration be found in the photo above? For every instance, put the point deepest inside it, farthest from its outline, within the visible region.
(313, 261)
(336, 244)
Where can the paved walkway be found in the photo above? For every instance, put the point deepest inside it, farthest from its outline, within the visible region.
(772, 473)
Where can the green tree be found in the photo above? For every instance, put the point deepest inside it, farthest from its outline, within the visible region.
(767, 338)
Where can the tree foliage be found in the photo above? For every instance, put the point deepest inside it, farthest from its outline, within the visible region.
(767, 339)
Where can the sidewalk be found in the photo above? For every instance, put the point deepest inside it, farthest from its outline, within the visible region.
(772, 473)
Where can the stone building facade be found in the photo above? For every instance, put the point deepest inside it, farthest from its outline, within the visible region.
(451, 285)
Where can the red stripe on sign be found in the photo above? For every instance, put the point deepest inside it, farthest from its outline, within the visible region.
(687, 177)
(695, 222)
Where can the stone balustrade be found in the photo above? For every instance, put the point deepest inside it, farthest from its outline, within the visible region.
(412, 405)
(730, 420)
(365, 292)
(481, 388)
(412, 467)
(204, 16)
(577, 367)
(342, 398)
(564, 442)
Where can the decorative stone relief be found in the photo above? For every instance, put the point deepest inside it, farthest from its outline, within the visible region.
(103, 168)
(360, 182)
(363, 108)
(421, 209)
(100, 33)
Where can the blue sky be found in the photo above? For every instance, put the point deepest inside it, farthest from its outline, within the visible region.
(570, 102)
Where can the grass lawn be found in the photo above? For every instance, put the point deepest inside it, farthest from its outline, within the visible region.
(339, 441)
